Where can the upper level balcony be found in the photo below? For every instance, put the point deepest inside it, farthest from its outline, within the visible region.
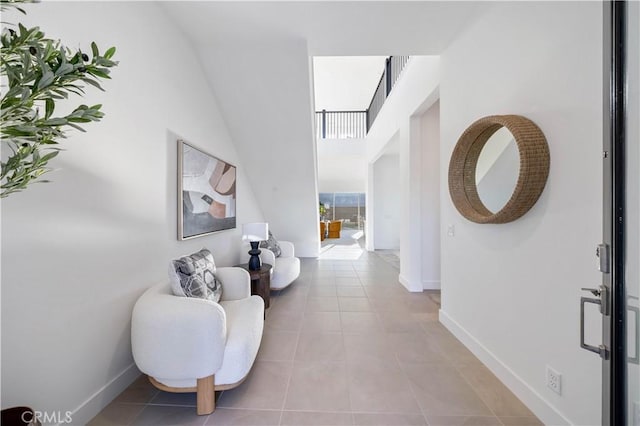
(356, 124)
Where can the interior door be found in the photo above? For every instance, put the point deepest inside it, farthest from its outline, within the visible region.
(619, 256)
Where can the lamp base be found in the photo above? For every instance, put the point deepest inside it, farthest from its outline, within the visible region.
(254, 260)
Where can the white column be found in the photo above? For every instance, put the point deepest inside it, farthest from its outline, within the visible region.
(411, 223)
(430, 197)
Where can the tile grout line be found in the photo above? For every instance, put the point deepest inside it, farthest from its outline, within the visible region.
(457, 370)
(295, 350)
(413, 392)
(456, 367)
(346, 361)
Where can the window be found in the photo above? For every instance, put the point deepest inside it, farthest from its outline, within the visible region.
(346, 206)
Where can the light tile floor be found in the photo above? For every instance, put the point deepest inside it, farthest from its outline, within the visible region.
(345, 344)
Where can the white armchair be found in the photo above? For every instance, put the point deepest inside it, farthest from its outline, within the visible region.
(286, 267)
(187, 344)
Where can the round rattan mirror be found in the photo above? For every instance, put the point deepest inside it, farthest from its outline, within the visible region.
(532, 176)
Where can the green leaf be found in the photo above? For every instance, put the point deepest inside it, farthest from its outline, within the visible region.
(75, 126)
(94, 49)
(99, 72)
(49, 49)
(58, 121)
(65, 68)
(15, 132)
(78, 120)
(93, 83)
(61, 93)
(46, 80)
(105, 62)
(26, 93)
(45, 158)
(110, 52)
(22, 30)
(49, 107)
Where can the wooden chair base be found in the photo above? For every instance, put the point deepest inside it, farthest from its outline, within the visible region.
(205, 392)
(206, 396)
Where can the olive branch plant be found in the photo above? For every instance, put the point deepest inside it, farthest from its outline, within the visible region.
(37, 72)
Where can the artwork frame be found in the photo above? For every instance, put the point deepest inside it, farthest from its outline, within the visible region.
(206, 192)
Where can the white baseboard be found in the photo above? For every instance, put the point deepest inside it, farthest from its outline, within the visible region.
(404, 282)
(96, 402)
(546, 412)
(408, 285)
(431, 284)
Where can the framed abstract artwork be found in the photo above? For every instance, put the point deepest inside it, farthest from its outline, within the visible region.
(206, 193)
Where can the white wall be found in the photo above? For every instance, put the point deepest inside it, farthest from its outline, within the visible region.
(265, 96)
(430, 196)
(77, 252)
(415, 91)
(511, 292)
(345, 83)
(387, 207)
(342, 165)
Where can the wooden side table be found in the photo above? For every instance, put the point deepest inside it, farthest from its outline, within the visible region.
(260, 281)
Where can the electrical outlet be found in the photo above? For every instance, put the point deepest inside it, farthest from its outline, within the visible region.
(554, 380)
(451, 230)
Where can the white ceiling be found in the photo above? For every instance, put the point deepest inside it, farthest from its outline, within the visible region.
(365, 31)
(345, 83)
(331, 28)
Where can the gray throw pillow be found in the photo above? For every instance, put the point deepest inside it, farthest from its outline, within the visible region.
(194, 276)
(272, 244)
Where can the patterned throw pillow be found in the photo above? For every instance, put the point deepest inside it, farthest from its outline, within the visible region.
(272, 244)
(194, 276)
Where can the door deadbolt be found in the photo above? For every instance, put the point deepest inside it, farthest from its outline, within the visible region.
(602, 252)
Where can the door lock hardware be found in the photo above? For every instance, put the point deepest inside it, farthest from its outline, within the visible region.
(600, 349)
(603, 298)
(595, 291)
(602, 252)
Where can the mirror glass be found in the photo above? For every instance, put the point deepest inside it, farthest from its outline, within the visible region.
(497, 170)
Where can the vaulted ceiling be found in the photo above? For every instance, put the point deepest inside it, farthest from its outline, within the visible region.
(332, 28)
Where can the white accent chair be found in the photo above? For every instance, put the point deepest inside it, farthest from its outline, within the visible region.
(285, 268)
(186, 344)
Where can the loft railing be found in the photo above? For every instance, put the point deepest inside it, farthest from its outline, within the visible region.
(379, 96)
(356, 124)
(341, 124)
(392, 68)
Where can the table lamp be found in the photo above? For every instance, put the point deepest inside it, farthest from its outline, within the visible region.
(254, 233)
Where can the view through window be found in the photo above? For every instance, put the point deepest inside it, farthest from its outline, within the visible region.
(349, 207)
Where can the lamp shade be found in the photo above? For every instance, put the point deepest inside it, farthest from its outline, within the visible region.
(255, 231)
